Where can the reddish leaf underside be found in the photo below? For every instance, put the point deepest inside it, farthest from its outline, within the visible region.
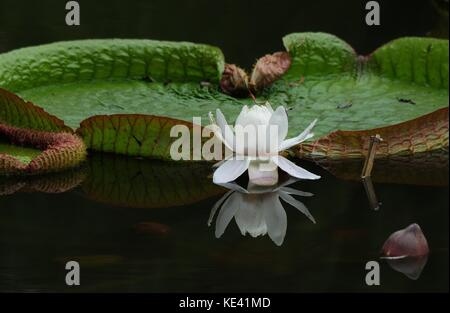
(60, 151)
(423, 134)
(25, 124)
(132, 134)
(14, 111)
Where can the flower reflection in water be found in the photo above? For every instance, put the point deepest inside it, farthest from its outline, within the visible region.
(257, 209)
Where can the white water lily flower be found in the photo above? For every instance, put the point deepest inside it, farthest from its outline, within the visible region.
(258, 152)
(258, 210)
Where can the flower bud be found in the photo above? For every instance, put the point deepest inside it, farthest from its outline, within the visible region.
(234, 81)
(268, 69)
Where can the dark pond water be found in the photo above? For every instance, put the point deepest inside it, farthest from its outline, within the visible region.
(136, 225)
(121, 225)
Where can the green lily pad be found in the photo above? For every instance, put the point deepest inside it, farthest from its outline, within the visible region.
(79, 79)
(427, 133)
(132, 134)
(23, 154)
(87, 60)
(35, 152)
(33, 141)
(175, 100)
(400, 81)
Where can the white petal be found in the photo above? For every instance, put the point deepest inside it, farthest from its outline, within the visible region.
(219, 134)
(230, 170)
(305, 135)
(235, 187)
(275, 217)
(211, 118)
(250, 217)
(289, 143)
(256, 115)
(241, 115)
(258, 189)
(287, 182)
(296, 204)
(218, 164)
(293, 169)
(263, 173)
(280, 119)
(217, 205)
(268, 106)
(293, 191)
(227, 212)
(227, 132)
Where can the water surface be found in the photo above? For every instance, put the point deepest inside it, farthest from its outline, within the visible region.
(144, 229)
(142, 225)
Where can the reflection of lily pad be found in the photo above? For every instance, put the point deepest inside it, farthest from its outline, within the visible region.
(49, 183)
(424, 169)
(400, 81)
(139, 183)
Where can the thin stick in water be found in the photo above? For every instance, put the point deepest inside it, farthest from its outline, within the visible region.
(368, 164)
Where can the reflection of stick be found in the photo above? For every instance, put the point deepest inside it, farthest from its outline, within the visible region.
(368, 164)
(370, 191)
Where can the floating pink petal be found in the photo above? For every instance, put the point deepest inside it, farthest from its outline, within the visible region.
(408, 242)
(411, 266)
